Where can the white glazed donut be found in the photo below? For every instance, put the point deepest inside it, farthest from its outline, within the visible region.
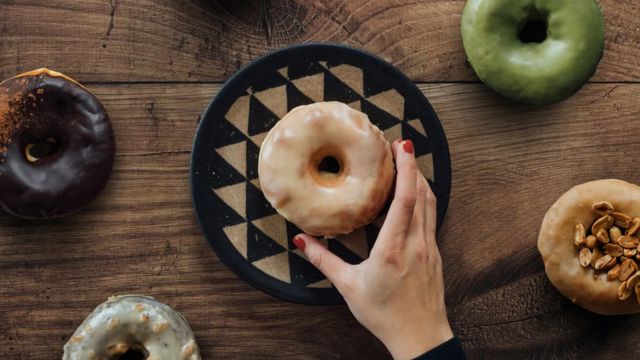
(132, 322)
(295, 182)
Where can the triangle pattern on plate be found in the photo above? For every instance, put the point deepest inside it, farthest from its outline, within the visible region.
(292, 231)
(235, 155)
(238, 113)
(416, 124)
(276, 266)
(336, 90)
(302, 69)
(421, 143)
(351, 76)
(284, 72)
(261, 119)
(259, 138)
(272, 80)
(252, 154)
(275, 227)
(311, 86)
(221, 173)
(226, 134)
(296, 98)
(237, 235)
(257, 205)
(390, 101)
(374, 83)
(259, 245)
(302, 272)
(272, 100)
(393, 133)
(345, 253)
(356, 242)
(355, 105)
(321, 284)
(234, 197)
(378, 117)
(256, 183)
(222, 213)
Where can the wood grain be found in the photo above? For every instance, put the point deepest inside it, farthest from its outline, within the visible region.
(208, 40)
(510, 164)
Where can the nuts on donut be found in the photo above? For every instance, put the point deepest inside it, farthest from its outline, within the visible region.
(618, 254)
(590, 247)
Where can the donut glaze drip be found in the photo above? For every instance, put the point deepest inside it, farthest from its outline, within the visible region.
(132, 322)
(325, 203)
(45, 107)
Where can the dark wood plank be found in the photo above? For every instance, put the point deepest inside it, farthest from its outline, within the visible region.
(208, 40)
(510, 163)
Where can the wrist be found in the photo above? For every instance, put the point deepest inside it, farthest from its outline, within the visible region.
(406, 345)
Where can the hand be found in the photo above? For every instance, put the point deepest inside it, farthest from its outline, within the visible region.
(398, 292)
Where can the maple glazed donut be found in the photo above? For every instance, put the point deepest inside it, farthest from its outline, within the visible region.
(589, 244)
(56, 145)
(326, 168)
(134, 325)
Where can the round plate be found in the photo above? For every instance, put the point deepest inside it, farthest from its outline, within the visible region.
(244, 230)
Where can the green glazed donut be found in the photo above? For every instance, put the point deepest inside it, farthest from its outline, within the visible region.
(533, 51)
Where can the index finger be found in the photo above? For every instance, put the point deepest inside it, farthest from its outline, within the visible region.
(400, 213)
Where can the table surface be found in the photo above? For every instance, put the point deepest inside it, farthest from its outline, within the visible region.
(155, 64)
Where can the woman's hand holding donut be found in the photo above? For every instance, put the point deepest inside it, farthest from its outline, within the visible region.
(398, 292)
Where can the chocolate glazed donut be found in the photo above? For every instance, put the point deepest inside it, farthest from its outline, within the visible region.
(56, 145)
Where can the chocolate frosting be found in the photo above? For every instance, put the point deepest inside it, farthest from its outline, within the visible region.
(43, 105)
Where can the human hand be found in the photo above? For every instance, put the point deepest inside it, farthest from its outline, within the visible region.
(398, 292)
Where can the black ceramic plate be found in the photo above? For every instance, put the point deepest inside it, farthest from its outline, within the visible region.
(244, 230)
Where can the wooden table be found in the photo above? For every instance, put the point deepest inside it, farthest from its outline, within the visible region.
(155, 64)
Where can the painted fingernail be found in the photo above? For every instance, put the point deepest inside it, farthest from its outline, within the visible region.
(299, 243)
(407, 145)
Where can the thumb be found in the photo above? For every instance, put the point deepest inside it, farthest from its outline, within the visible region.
(333, 267)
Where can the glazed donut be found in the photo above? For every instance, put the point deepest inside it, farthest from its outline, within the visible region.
(533, 51)
(588, 241)
(132, 324)
(326, 168)
(56, 145)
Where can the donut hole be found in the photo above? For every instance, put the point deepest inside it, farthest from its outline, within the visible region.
(41, 149)
(134, 353)
(327, 166)
(330, 165)
(535, 27)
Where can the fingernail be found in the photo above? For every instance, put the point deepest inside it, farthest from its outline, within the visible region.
(407, 145)
(299, 243)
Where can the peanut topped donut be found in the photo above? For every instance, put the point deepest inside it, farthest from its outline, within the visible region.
(589, 244)
(326, 168)
(134, 325)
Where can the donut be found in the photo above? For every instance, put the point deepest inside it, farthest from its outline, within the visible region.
(326, 168)
(589, 243)
(533, 51)
(132, 326)
(56, 145)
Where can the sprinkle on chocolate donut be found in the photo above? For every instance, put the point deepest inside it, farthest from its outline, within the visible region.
(130, 326)
(56, 145)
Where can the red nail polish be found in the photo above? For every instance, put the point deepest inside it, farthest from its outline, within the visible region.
(299, 243)
(407, 145)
